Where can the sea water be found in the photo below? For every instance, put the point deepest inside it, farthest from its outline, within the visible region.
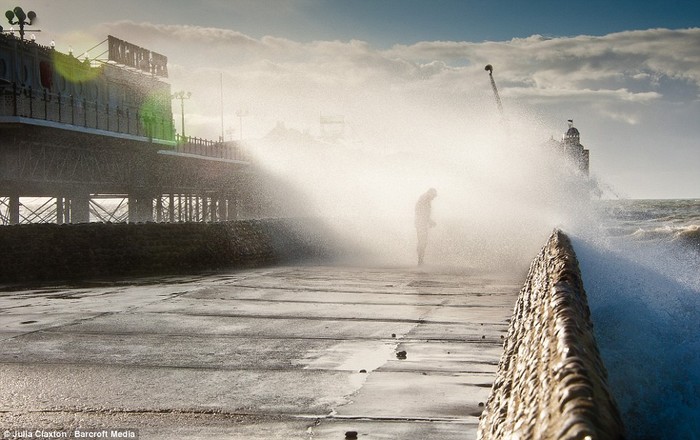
(641, 271)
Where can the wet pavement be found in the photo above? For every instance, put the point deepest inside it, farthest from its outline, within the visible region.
(274, 353)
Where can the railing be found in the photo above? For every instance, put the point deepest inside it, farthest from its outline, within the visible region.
(66, 109)
(205, 147)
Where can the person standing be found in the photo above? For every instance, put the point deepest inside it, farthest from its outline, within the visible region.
(424, 221)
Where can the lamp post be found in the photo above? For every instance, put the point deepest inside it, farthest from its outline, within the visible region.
(182, 95)
(489, 69)
(21, 18)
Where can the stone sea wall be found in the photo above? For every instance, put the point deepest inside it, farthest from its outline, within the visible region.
(50, 252)
(551, 382)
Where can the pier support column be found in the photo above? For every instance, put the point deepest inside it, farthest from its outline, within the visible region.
(190, 212)
(159, 208)
(232, 207)
(80, 208)
(223, 208)
(61, 211)
(215, 209)
(140, 208)
(171, 207)
(205, 208)
(14, 209)
(146, 210)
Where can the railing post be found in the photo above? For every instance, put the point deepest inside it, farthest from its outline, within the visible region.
(85, 112)
(59, 107)
(46, 105)
(72, 110)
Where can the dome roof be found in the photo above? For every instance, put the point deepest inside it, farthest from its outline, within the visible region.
(572, 132)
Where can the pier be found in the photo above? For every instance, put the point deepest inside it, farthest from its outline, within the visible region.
(95, 141)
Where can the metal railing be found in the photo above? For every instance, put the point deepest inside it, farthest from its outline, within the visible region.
(41, 104)
(79, 112)
(208, 148)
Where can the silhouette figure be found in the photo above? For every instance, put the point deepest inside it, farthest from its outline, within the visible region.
(424, 221)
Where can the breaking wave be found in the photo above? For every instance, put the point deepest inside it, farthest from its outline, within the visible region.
(642, 277)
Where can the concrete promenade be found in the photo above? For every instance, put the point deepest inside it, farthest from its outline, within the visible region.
(303, 352)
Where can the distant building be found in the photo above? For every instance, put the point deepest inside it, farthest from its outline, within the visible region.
(332, 126)
(572, 149)
(571, 143)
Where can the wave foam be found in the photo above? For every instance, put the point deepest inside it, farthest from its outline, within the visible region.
(645, 303)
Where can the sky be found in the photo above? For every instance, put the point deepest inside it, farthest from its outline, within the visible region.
(412, 72)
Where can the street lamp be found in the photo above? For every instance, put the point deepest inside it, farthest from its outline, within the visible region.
(182, 95)
(489, 69)
(21, 18)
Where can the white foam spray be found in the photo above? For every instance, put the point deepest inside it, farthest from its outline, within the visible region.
(501, 191)
(644, 295)
(501, 187)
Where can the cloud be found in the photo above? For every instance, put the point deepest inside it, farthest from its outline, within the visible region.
(570, 63)
(625, 66)
(538, 63)
(402, 94)
(189, 35)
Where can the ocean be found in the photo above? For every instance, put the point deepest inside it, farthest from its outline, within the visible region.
(641, 270)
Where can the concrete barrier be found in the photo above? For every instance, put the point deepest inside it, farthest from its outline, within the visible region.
(551, 382)
(50, 252)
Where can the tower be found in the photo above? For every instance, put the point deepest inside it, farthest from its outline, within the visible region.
(574, 151)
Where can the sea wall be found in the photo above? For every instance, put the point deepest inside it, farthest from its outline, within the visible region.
(551, 382)
(50, 252)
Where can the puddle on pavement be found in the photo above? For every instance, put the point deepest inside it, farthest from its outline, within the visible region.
(351, 356)
(358, 357)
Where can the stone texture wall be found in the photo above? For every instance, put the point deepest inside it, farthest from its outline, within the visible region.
(50, 252)
(551, 382)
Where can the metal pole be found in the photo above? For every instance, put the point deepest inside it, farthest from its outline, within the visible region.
(489, 68)
(221, 77)
(182, 96)
(182, 110)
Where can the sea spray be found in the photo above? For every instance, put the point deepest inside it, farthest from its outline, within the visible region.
(641, 277)
(500, 193)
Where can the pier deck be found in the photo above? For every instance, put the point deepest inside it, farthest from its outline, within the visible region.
(275, 353)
